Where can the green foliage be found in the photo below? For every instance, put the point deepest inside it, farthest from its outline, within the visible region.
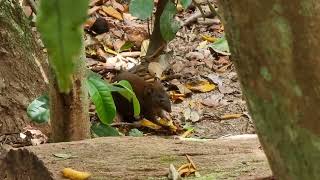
(103, 130)
(168, 25)
(59, 22)
(135, 133)
(126, 46)
(221, 46)
(141, 8)
(100, 94)
(128, 93)
(185, 3)
(38, 110)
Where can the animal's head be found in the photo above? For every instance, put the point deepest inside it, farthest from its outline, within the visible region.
(158, 95)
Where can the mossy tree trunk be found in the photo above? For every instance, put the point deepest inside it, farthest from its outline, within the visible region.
(22, 68)
(275, 47)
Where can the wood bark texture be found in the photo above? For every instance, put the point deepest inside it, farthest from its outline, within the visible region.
(69, 112)
(275, 47)
(22, 68)
(138, 158)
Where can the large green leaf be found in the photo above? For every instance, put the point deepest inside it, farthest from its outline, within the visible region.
(100, 94)
(141, 8)
(38, 110)
(103, 130)
(185, 3)
(128, 93)
(221, 46)
(168, 25)
(59, 22)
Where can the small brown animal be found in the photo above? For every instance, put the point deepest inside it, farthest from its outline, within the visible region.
(152, 97)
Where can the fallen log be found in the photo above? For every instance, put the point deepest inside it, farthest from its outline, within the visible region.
(137, 158)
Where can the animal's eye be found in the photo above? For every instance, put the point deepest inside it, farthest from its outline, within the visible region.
(162, 101)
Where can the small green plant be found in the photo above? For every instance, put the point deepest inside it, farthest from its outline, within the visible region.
(100, 94)
(38, 110)
(168, 25)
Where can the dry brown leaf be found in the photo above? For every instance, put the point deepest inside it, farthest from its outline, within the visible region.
(112, 12)
(101, 12)
(223, 68)
(101, 52)
(230, 116)
(93, 10)
(144, 47)
(93, 2)
(89, 22)
(117, 44)
(213, 101)
(118, 6)
(155, 69)
(182, 88)
(176, 97)
(126, 8)
(201, 86)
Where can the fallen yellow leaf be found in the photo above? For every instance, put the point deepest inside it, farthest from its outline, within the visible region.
(184, 166)
(202, 86)
(73, 174)
(108, 50)
(168, 123)
(230, 116)
(144, 47)
(187, 133)
(186, 169)
(208, 38)
(191, 161)
(112, 12)
(179, 7)
(149, 124)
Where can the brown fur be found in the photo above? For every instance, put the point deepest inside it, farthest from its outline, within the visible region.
(152, 98)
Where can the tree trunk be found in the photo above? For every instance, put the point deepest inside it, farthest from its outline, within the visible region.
(69, 112)
(275, 47)
(22, 68)
(157, 43)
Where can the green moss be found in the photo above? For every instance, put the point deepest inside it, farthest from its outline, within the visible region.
(265, 74)
(297, 90)
(307, 8)
(169, 159)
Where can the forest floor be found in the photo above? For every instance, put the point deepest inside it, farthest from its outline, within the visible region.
(216, 107)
